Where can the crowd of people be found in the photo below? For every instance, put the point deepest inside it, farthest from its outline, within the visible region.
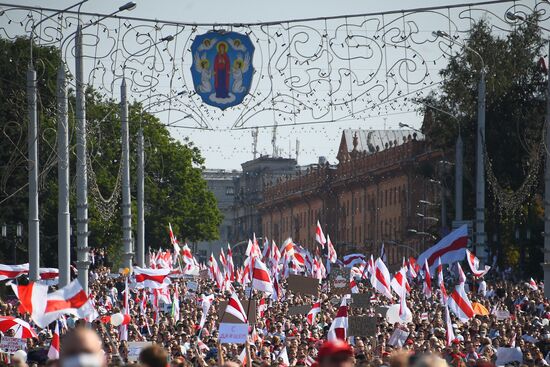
(515, 331)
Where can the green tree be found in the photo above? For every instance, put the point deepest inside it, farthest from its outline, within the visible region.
(174, 188)
(514, 124)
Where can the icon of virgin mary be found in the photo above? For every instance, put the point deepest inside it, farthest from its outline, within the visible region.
(221, 71)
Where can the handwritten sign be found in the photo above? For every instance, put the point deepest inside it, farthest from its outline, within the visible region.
(361, 326)
(192, 286)
(11, 345)
(299, 310)
(135, 348)
(339, 281)
(502, 314)
(300, 284)
(233, 333)
(360, 300)
(398, 338)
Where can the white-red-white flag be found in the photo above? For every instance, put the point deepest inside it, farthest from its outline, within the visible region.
(473, 262)
(206, 303)
(427, 285)
(71, 299)
(262, 307)
(380, 280)
(450, 334)
(399, 282)
(235, 308)
(353, 259)
(461, 275)
(450, 248)
(53, 352)
(459, 304)
(32, 299)
(533, 285)
(312, 314)
(441, 282)
(150, 278)
(12, 271)
(230, 265)
(338, 328)
(260, 277)
(332, 256)
(353, 286)
(319, 236)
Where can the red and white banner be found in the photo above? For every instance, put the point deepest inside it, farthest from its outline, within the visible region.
(312, 314)
(260, 277)
(53, 352)
(71, 299)
(473, 261)
(451, 248)
(150, 278)
(235, 308)
(460, 305)
(319, 236)
(12, 271)
(339, 327)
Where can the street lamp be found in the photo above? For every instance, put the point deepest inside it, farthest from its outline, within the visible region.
(403, 125)
(126, 195)
(480, 161)
(546, 264)
(16, 238)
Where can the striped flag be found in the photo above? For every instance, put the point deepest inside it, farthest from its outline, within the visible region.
(53, 352)
(235, 308)
(451, 248)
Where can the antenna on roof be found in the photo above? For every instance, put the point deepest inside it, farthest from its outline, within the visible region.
(297, 149)
(255, 142)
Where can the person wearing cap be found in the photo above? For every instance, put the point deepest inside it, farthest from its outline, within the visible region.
(454, 357)
(335, 353)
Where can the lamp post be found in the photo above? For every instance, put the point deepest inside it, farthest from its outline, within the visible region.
(16, 238)
(546, 264)
(481, 250)
(126, 196)
(34, 223)
(83, 263)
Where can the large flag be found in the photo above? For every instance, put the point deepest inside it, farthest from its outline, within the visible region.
(150, 278)
(260, 277)
(32, 299)
(450, 248)
(473, 261)
(338, 328)
(319, 236)
(460, 305)
(399, 282)
(235, 308)
(353, 259)
(71, 299)
(381, 278)
(12, 271)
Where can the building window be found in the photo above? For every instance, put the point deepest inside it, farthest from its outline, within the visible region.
(229, 190)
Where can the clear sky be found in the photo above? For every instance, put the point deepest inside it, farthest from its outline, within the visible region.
(227, 149)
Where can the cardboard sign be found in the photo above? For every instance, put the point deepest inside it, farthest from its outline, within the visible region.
(11, 345)
(299, 310)
(502, 314)
(360, 300)
(230, 319)
(300, 284)
(382, 310)
(203, 274)
(361, 326)
(233, 333)
(134, 348)
(339, 281)
(192, 286)
(398, 338)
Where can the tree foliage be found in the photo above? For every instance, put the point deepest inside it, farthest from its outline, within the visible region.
(175, 191)
(515, 111)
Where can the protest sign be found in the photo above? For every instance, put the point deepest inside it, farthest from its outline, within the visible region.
(233, 333)
(299, 310)
(502, 314)
(382, 310)
(360, 300)
(134, 348)
(339, 281)
(300, 284)
(508, 355)
(398, 338)
(361, 326)
(203, 274)
(11, 345)
(192, 286)
(230, 319)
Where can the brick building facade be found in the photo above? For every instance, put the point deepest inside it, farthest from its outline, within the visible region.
(371, 197)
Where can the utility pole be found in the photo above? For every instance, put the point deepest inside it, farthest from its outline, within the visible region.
(481, 246)
(34, 223)
(459, 171)
(63, 214)
(140, 253)
(126, 199)
(82, 263)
